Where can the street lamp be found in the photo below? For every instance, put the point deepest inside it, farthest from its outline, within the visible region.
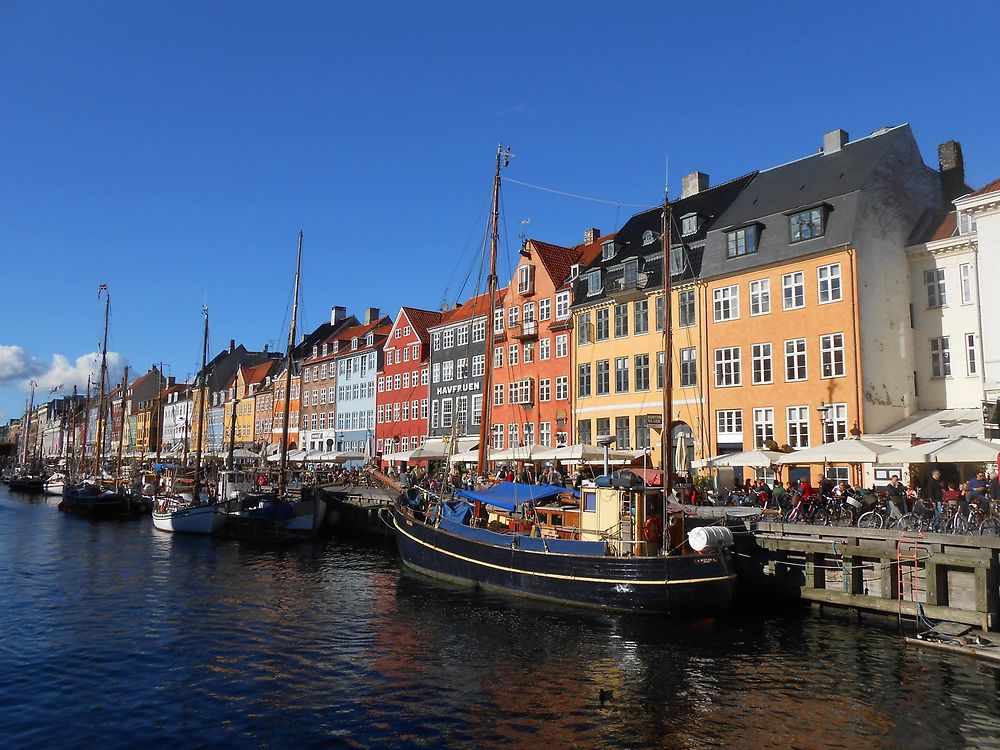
(824, 415)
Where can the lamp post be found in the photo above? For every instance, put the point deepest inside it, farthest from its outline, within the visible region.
(824, 415)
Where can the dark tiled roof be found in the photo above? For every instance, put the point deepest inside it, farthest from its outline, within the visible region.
(380, 328)
(471, 308)
(421, 320)
(556, 259)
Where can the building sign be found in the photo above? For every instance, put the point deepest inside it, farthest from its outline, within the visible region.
(654, 421)
(447, 390)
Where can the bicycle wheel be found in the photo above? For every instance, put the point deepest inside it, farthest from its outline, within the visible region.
(910, 522)
(990, 526)
(841, 517)
(820, 517)
(870, 520)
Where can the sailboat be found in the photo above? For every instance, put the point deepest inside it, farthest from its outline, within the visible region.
(630, 552)
(192, 512)
(90, 497)
(23, 479)
(277, 516)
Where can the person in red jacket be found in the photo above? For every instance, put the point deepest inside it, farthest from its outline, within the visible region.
(805, 489)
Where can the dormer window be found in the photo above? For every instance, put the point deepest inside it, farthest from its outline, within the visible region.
(526, 279)
(336, 346)
(326, 348)
(690, 224)
(354, 342)
(608, 250)
(676, 259)
(594, 282)
(574, 271)
(315, 350)
(370, 339)
(806, 225)
(648, 237)
(741, 241)
(966, 223)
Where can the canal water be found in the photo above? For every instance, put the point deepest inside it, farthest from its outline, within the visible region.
(113, 635)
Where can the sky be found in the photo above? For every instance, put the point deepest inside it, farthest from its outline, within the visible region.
(173, 151)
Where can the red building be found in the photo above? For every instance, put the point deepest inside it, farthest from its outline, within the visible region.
(531, 357)
(403, 383)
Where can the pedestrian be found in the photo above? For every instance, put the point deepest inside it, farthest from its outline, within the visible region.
(895, 497)
(934, 494)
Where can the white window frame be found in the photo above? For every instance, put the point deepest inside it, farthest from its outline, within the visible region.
(760, 354)
(936, 285)
(971, 359)
(760, 297)
(726, 303)
(562, 305)
(965, 279)
(940, 349)
(797, 424)
(829, 349)
(829, 284)
(793, 290)
(796, 360)
(728, 367)
(763, 425)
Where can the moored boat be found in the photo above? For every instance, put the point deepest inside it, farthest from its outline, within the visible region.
(26, 483)
(178, 514)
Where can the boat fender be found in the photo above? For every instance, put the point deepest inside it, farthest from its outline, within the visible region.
(706, 538)
(652, 529)
(163, 506)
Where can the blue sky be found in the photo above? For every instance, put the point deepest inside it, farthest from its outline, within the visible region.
(174, 150)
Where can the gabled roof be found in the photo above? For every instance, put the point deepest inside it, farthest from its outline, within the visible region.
(380, 328)
(421, 320)
(989, 187)
(556, 260)
(256, 373)
(471, 308)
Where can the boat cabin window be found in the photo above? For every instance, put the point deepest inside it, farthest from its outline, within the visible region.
(589, 501)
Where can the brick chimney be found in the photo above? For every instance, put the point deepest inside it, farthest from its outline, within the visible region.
(590, 235)
(693, 183)
(834, 141)
(952, 166)
(371, 315)
(232, 345)
(337, 314)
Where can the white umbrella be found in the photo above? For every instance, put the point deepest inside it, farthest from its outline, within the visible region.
(950, 450)
(582, 453)
(682, 459)
(345, 456)
(850, 451)
(754, 458)
(398, 456)
(470, 457)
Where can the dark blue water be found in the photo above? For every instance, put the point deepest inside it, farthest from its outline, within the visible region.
(115, 635)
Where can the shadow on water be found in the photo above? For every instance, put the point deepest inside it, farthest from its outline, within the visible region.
(130, 636)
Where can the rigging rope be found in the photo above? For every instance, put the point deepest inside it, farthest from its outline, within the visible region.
(577, 195)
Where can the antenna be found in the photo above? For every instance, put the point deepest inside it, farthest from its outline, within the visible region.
(524, 238)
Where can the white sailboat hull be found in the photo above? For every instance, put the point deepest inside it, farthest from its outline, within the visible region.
(197, 519)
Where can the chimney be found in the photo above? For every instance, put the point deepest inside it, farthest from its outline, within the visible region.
(834, 141)
(952, 170)
(590, 235)
(337, 314)
(265, 348)
(171, 381)
(693, 183)
(232, 345)
(371, 315)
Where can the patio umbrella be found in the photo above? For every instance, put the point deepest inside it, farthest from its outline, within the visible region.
(345, 456)
(849, 451)
(754, 458)
(398, 456)
(950, 450)
(682, 458)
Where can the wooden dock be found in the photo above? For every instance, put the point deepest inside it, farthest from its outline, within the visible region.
(939, 576)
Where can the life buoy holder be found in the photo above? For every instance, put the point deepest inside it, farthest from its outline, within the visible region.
(652, 529)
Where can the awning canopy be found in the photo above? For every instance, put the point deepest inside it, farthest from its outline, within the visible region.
(848, 451)
(508, 495)
(754, 458)
(951, 450)
(437, 449)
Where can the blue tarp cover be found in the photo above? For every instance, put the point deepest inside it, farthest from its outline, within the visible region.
(508, 495)
(524, 541)
(456, 511)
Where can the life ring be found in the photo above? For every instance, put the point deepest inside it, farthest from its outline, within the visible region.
(652, 529)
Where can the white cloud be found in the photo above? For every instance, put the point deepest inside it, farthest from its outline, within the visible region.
(17, 364)
(62, 372)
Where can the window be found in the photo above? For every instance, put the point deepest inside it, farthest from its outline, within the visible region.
(621, 321)
(513, 355)
(436, 372)
(760, 356)
(529, 353)
(795, 360)
(498, 320)
(760, 297)
(406, 379)
(794, 290)
(689, 367)
(594, 282)
(447, 371)
(529, 433)
(434, 414)
(545, 434)
(603, 377)
(835, 423)
(763, 426)
(676, 259)
(583, 433)
(562, 305)
(727, 367)
(685, 309)
(562, 388)
(583, 380)
(741, 242)
(608, 250)
(528, 312)
(726, 302)
(423, 376)
(641, 364)
(498, 394)
(513, 315)
(462, 336)
(659, 370)
(544, 348)
(831, 349)
(477, 410)
(521, 392)
(602, 317)
(966, 223)
(937, 294)
(640, 316)
(661, 313)
(689, 224)
(641, 431)
(965, 274)
(798, 426)
(621, 375)
(406, 354)
(526, 279)
(583, 329)
(630, 274)
(448, 339)
(478, 331)
(622, 433)
(498, 436)
(512, 435)
(545, 389)
(497, 358)
(806, 225)
(648, 237)
(478, 365)
(970, 354)
(461, 370)
(829, 283)
(562, 345)
(406, 410)
(544, 309)
(729, 426)
(940, 358)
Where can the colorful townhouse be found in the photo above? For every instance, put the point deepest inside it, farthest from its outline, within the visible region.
(242, 399)
(319, 383)
(531, 358)
(457, 368)
(146, 410)
(359, 351)
(403, 394)
(176, 413)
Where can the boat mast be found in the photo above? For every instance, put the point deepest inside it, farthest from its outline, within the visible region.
(71, 438)
(27, 420)
(121, 432)
(288, 377)
(503, 159)
(103, 289)
(86, 424)
(201, 407)
(666, 458)
(158, 414)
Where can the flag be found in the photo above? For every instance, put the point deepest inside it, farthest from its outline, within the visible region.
(101, 288)
(55, 388)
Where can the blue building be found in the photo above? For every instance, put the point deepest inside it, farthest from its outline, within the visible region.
(359, 358)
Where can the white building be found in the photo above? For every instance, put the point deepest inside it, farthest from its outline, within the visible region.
(176, 413)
